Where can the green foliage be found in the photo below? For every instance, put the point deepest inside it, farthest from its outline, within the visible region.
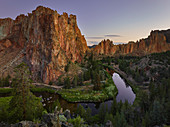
(59, 81)
(156, 114)
(77, 122)
(50, 83)
(102, 113)
(23, 105)
(4, 105)
(62, 118)
(108, 117)
(87, 75)
(96, 81)
(88, 115)
(5, 90)
(110, 88)
(43, 90)
(4, 82)
(81, 111)
(75, 81)
(67, 67)
(146, 120)
(44, 112)
(76, 95)
(53, 106)
(119, 120)
(67, 83)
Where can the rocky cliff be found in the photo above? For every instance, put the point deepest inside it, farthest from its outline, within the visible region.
(49, 41)
(157, 41)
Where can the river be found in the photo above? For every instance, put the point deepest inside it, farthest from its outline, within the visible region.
(124, 93)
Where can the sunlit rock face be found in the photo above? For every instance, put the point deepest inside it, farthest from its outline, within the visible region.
(157, 41)
(49, 39)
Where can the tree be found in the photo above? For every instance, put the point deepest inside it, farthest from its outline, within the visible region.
(81, 78)
(168, 112)
(81, 111)
(75, 81)
(102, 113)
(59, 81)
(144, 101)
(119, 120)
(87, 75)
(24, 105)
(88, 115)
(67, 82)
(108, 117)
(97, 84)
(146, 120)
(114, 107)
(77, 122)
(156, 114)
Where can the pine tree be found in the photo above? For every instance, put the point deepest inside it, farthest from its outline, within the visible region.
(119, 120)
(24, 105)
(97, 84)
(75, 81)
(114, 107)
(102, 113)
(81, 111)
(156, 114)
(67, 82)
(88, 115)
(146, 120)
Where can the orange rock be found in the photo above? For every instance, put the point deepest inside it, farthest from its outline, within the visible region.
(157, 41)
(50, 40)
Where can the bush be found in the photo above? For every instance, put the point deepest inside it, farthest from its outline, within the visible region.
(50, 83)
(77, 122)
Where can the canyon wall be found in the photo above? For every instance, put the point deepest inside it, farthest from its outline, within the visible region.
(49, 41)
(157, 41)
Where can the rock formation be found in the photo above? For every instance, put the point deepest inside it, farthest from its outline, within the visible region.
(157, 41)
(49, 41)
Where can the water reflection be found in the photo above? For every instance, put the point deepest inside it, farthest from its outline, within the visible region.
(124, 91)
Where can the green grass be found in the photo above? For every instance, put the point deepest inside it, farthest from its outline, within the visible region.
(4, 101)
(5, 90)
(43, 90)
(108, 91)
(9, 90)
(75, 95)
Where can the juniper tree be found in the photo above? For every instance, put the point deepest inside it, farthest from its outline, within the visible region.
(24, 105)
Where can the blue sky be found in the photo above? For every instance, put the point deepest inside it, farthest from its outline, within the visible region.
(118, 20)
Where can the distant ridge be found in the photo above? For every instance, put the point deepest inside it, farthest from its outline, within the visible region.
(93, 46)
(157, 41)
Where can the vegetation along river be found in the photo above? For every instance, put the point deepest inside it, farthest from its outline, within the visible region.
(124, 93)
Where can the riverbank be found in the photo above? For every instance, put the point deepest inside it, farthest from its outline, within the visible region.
(123, 75)
(78, 94)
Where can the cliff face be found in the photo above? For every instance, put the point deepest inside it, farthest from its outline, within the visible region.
(49, 39)
(157, 41)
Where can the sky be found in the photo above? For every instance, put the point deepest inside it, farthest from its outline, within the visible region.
(119, 20)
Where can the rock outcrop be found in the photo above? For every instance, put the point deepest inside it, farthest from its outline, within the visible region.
(49, 40)
(157, 41)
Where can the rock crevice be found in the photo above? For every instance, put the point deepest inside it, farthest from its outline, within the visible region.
(50, 41)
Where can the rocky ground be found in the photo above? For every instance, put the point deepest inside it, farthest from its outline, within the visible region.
(51, 120)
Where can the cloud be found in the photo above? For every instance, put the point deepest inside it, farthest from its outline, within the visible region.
(95, 37)
(118, 43)
(90, 43)
(112, 35)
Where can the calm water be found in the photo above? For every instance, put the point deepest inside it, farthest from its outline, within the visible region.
(124, 93)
